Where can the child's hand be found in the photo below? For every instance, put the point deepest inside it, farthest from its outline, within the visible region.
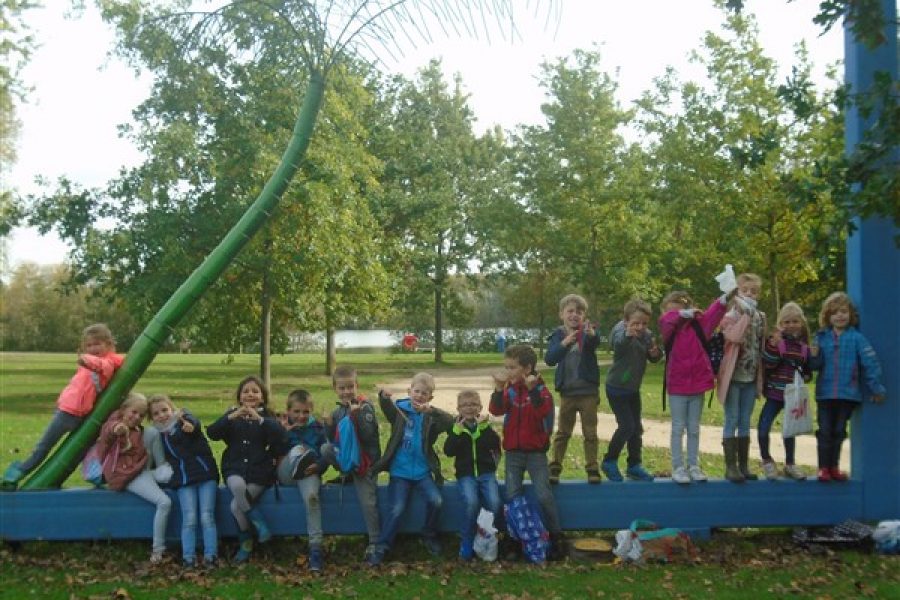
(776, 337)
(355, 405)
(531, 379)
(570, 339)
(688, 313)
(423, 407)
(120, 429)
(589, 328)
(80, 362)
(252, 415)
(237, 413)
(384, 393)
(187, 426)
(482, 418)
(499, 380)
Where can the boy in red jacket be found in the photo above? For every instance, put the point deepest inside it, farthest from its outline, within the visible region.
(526, 405)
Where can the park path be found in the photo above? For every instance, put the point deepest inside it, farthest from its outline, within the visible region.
(449, 382)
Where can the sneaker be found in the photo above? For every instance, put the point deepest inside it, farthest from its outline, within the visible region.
(838, 475)
(794, 472)
(156, 557)
(433, 545)
(210, 563)
(593, 476)
(638, 473)
(770, 470)
(466, 552)
(824, 475)
(697, 474)
(316, 560)
(375, 557)
(680, 475)
(555, 471)
(186, 564)
(610, 468)
(12, 475)
(558, 548)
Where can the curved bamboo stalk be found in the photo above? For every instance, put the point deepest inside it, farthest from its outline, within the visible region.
(60, 465)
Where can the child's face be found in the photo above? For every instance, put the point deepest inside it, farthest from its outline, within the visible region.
(346, 390)
(840, 317)
(514, 371)
(469, 408)
(132, 416)
(251, 395)
(637, 323)
(161, 412)
(96, 346)
(572, 316)
(792, 326)
(420, 393)
(299, 412)
(749, 290)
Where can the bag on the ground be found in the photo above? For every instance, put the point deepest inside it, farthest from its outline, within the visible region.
(485, 543)
(887, 537)
(523, 521)
(797, 415)
(644, 540)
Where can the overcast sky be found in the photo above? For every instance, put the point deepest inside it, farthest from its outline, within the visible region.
(80, 96)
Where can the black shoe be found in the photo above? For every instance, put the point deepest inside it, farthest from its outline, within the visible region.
(558, 547)
(343, 479)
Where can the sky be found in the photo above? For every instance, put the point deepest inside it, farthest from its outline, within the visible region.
(80, 95)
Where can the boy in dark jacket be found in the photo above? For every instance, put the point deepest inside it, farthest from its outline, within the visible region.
(526, 405)
(411, 460)
(303, 465)
(476, 449)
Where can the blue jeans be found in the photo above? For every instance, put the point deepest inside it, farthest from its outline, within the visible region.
(535, 462)
(189, 498)
(398, 497)
(738, 409)
(476, 492)
(686, 411)
(61, 424)
(767, 416)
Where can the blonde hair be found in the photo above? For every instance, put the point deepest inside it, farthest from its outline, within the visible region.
(468, 395)
(136, 401)
(423, 378)
(677, 297)
(832, 303)
(159, 399)
(792, 309)
(575, 299)
(99, 332)
(343, 372)
(637, 305)
(749, 278)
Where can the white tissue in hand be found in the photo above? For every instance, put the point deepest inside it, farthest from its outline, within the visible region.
(727, 280)
(686, 313)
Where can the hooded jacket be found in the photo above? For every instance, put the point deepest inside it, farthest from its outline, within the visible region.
(527, 415)
(434, 423)
(79, 396)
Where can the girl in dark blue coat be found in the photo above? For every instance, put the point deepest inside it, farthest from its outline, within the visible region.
(254, 440)
(195, 476)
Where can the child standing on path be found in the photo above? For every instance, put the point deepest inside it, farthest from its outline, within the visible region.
(740, 376)
(122, 451)
(253, 440)
(412, 462)
(688, 374)
(97, 363)
(305, 438)
(849, 372)
(475, 447)
(572, 348)
(632, 346)
(526, 405)
(365, 424)
(786, 351)
(195, 477)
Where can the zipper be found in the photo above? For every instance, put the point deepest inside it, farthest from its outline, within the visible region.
(836, 340)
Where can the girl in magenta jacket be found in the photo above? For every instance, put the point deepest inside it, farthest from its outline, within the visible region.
(97, 363)
(688, 375)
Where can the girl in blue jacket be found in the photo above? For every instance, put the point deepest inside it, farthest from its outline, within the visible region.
(849, 371)
(195, 476)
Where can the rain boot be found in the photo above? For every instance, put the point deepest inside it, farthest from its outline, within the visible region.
(245, 546)
(744, 458)
(732, 473)
(263, 533)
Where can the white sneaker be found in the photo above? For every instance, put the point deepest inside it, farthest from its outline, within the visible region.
(771, 471)
(156, 558)
(794, 472)
(680, 475)
(696, 474)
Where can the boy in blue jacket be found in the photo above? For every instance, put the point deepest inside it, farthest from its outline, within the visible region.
(303, 465)
(412, 462)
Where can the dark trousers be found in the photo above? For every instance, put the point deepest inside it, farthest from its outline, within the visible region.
(627, 409)
(767, 416)
(832, 417)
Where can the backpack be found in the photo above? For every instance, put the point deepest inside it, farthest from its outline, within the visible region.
(350, 456)
(523, 521)
(714, 347)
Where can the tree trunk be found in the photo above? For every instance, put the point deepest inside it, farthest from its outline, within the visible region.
(265, 332)
(56, 468)
(330, 351)
(438, 321)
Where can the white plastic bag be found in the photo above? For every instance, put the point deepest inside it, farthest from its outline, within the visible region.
(887, 537)
(485, 544)
(797, 414)
(727, 280)
(628, 546)
(163, 473)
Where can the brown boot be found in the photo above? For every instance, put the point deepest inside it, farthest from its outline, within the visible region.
(732, 473)
(744, 458)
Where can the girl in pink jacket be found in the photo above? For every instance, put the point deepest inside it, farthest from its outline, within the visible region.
(688, 374)
(96, 365)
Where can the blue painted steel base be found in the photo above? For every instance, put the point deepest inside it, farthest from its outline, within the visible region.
(82, 514)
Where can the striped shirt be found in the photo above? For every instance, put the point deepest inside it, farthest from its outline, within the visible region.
(780, 361)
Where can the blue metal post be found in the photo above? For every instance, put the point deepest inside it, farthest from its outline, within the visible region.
(873, 281)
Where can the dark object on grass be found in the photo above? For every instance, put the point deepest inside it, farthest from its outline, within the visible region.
(849, 534)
